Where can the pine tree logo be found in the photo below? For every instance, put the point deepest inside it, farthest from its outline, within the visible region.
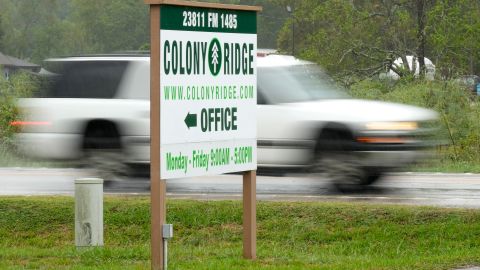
(215, 56)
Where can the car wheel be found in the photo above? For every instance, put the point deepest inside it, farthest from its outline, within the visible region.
(371, 178)
(103, 154)
(335, 161)
(106, 164)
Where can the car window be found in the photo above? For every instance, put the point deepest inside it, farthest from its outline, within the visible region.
(296, 83)
(88, 79)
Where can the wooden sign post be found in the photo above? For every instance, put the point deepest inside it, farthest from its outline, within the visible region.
(203, 96)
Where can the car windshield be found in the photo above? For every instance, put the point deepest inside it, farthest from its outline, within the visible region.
(297, 83)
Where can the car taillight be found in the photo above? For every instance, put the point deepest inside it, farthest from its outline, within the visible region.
(30, 123)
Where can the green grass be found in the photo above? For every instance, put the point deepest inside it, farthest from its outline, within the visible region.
(448, 167)
(436, 164)
(37, 233)
(9, 158)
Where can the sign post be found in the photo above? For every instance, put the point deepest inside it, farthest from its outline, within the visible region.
(203, 102)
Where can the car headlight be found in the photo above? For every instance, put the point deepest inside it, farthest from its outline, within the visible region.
(403, 126)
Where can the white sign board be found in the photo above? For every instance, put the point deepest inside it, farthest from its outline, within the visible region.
(208, 89)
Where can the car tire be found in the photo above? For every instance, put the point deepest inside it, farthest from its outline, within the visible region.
(372, 177)
(335, 161)
(103, 154)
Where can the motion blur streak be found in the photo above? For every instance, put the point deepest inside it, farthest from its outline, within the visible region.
(380, 140)
(29, 123)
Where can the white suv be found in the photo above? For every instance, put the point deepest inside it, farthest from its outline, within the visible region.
(97, 110)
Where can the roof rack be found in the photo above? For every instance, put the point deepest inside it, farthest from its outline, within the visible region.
(260, 53)
(116, 53)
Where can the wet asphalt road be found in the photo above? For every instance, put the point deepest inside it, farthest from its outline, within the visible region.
(437, 189)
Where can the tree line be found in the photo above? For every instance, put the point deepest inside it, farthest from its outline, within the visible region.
(35, 30)
(363, 38)
(349, 38)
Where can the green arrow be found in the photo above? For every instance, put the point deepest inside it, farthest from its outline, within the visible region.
(191, 120)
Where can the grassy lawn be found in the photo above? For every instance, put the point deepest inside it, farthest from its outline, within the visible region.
(37, 233)
(9, 158)
(447, 167)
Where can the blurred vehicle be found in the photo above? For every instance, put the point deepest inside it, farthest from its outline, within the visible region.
(471, 82)
(97, 110)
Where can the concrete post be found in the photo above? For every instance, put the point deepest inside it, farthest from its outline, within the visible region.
(88, 212)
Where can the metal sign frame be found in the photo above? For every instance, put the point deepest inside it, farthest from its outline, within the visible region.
(158, 186)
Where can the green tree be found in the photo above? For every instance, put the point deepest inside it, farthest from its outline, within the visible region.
(338, 35)
(454, 28)
(270, 20)
(106, 26)
(32, 29)
(357, 39)
(1, 31)
(36, 30)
